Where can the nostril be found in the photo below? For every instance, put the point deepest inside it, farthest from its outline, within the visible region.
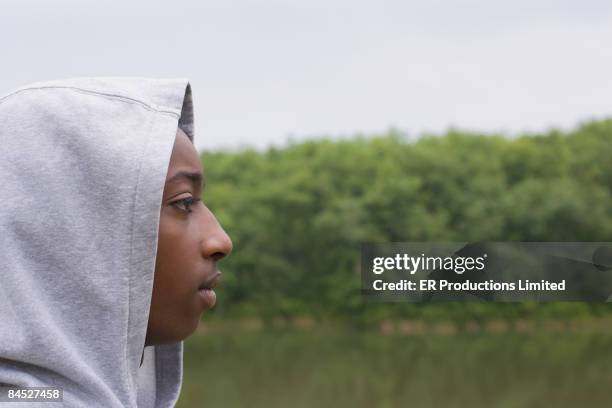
(217, 256)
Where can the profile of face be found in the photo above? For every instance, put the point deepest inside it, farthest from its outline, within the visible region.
(190, 244)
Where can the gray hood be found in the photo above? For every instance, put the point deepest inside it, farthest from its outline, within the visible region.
(83, 165)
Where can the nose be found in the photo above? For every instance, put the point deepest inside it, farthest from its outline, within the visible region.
(216, 244)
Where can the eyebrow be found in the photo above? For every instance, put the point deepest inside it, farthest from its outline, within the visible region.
(195, 178)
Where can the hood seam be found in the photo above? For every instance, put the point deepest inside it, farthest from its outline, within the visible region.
(122, 98)
(133, 391)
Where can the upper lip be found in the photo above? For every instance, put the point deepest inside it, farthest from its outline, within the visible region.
(211, 281)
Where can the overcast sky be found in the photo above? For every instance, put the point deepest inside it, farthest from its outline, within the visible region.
(265, 70)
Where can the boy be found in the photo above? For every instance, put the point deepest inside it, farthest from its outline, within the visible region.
(105, 247)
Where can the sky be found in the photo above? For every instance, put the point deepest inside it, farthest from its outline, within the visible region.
(264, 72)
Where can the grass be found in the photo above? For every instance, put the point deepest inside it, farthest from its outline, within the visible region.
(329, 365)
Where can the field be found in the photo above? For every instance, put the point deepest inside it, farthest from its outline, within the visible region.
(400, 364)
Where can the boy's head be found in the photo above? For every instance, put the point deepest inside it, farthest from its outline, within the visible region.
(191, 241)
(91, 267)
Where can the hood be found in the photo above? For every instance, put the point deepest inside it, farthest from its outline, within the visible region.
(83, 167)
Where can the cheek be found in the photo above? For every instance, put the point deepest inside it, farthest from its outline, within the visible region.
(175, 305)
(173, 283)
(169, 245)
(175, 309)
(173, 319)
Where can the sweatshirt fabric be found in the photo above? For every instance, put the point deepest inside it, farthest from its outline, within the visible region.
(146, 380)
(83, 164)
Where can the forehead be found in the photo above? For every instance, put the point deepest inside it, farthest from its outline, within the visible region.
(184, 155)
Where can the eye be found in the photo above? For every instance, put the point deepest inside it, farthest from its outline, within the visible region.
(186, 202)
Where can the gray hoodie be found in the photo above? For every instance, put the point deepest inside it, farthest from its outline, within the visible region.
(83, 164)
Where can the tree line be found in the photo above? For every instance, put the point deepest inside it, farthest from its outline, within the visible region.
(298, 214)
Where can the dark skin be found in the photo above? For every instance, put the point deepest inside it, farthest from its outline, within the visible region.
(190, 245)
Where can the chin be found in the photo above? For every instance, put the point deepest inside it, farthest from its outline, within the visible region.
(178, 332)
(190, 328)
(185, 325)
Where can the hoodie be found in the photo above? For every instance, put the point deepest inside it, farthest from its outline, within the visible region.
(83, 164)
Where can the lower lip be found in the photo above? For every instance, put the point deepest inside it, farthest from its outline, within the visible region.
(208, 296)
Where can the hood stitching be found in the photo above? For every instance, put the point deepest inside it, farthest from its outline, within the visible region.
(123, 98)
(132, 388)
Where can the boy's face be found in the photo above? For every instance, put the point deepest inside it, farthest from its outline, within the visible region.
(189, 245)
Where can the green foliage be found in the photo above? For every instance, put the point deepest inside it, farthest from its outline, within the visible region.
(298, 214)
(334, 366)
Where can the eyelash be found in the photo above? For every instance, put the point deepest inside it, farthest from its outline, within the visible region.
(187, 202)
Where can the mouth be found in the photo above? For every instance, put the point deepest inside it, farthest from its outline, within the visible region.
(206, 290)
